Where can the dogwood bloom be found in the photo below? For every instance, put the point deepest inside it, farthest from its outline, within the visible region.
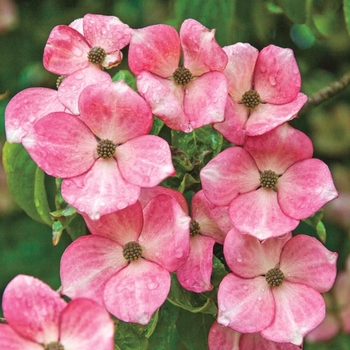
(263, 90)
(187, 97)
(38, 318)
(270, 184)
(274, 287)
(104, 155)
(125, 263)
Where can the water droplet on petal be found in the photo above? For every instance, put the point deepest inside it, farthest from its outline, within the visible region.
(152, 285)
(239, 258)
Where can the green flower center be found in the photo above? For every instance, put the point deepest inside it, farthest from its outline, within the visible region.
(182, 76)
(251, 99)
(268, 179)
(97, 55)
(274, 277)
(106, 149)
(194, 228)
(132, 251)
(54, 346)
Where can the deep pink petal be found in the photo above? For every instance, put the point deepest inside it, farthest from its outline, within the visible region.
(277, 77)
(27, 107)
(195, 273)
(223, 338)
(231, 172)
(10, 340)
(165, 238)
(245, 305)
(304, 188)
(114, 111)
(258, 213)
(87, 264)
(66, 51)
(136, 292)
(32, 309)
(256, 342)
(279, 149)
(306, 260)
(100, 191)
(155, 49)
(86, 325)
(201, 51)
(299, 309)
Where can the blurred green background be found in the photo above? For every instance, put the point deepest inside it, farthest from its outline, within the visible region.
(315, 30)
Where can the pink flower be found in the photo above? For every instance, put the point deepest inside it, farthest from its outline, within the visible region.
(263, 90)
(270, 184)
(275, 285)
(184, 98)
(104, 155)
(38, 318)
(125, 263)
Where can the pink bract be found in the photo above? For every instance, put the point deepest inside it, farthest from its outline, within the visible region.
(36, 316)
(94, 266)
(154, 56)
(287, 311)
(303, 184)
(274, 74)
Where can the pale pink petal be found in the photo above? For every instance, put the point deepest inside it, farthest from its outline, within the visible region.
(306, 260)
(255, 341)
(245, 305)
(66, 51)
(99, 191)
(304, 188)
(231, 172)
(327, 330)
(266, 117)
(145, 161)
(10, 340)
(155, 49)
(77, 24)
(279, 149)
(342, 288)
(165, 238)
(240, 69)
(32, 309)
(276, 77)
(201, 51)
(223, 338)
(86, 325)
(114, 111)
(112, 60)
(87, 264)
(66, 153)
(27, 107)
(136, 292)
(258, 213)
(345, 317)
(299, 309)
(195, 273)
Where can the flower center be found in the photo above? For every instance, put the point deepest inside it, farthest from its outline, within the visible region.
(251, 99)
(274, 277)
(132, 251)
(97, 55)
(182, 76)
(194, 228)
(54, 346)
(106, 149)
(59, 80)
(268, 179)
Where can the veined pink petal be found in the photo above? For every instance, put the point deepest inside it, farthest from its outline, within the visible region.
(304, 188)
(201, 51)
(85, 325)
(240, 69)
(245, 305)
(306, 260)
(10, 340)
(266, 117)
(155, 49)
(27, 107)
(258, 213)
(231, 172)
(66, 51)
(299, 309)
(276, 77)
(114, 111)
(255, 341)
(61, 144)
(87, 264)
(99, 191)
(165, 237)
(136, 292)
(279, 149)
(145, 161)
(223, 338)
(195, 273)
(32, 309)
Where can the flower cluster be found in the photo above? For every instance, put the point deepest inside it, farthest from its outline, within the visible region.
(94, 133)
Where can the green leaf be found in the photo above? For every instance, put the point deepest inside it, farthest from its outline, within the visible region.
(126, 76)
(219, 272)
(347, 14)
(295, 10)
(26, 182)
(187, 182)
(128, 336)
(315, 222)
(156, 126)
